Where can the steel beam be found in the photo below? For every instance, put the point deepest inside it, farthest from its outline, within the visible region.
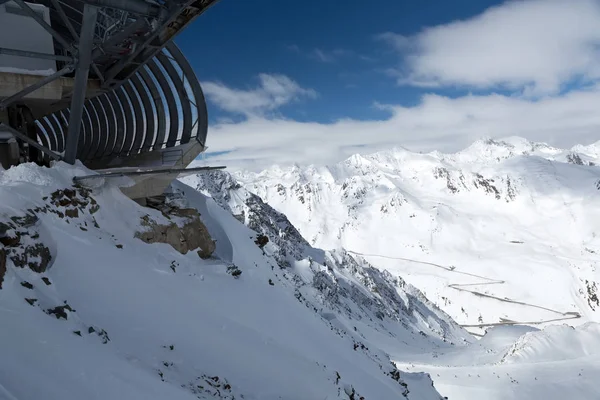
(138, 7)
(25, 7)
(65, 19)
(118, 37)
(86, 41)
(120, 172)
(34, 54)
(42, 82)
(31, 142)
(199, 100)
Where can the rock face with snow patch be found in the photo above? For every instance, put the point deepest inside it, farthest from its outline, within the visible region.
(185, 234)
(347, 285)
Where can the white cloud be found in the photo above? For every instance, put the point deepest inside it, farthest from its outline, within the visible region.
(529, 46)
(273, 92)
(437, 123)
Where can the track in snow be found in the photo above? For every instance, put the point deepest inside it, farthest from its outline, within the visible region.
(561, 316)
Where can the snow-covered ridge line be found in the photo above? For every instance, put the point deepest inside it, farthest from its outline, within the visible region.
(483, 151)
(508, 210)
(510, 361)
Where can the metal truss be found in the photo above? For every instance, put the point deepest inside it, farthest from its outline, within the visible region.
(160, 106)
(144, 96)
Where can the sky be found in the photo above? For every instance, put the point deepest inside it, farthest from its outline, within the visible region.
(314, 82)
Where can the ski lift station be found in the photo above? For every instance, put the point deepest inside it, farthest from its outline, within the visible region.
(101, 82)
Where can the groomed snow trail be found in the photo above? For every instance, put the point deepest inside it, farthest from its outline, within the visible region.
(487, 281)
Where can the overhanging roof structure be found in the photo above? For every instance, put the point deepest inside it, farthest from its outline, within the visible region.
(121, 93)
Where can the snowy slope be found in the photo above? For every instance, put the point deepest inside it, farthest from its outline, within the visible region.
(381, 307)
(502, 231)
(90, 311)
(517, 362)
(509, 362)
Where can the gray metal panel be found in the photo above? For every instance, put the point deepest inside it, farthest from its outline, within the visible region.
(161, 116)
(129, 121)
(111, 130)
(87, 130)
(182, 96)
(199, 100)
(121, 128)
(60, 132)
(148, 112)
(102, 127)
(52, 132)
(160, 107)
(171, 103)
(43, 135)
(88, 133)
(66, 112)
(138, 114)
(97, 135)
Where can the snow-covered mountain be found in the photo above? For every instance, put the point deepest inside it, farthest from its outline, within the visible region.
(502, 231)
(354, 292)
(103, 298)
(509, 362)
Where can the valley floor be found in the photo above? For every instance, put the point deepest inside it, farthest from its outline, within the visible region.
(557, 363)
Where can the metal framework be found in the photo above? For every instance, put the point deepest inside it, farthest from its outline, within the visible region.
(133, 91)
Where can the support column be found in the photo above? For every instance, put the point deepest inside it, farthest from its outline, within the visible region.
(86, 42)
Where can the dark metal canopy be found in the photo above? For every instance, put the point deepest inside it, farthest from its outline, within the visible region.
(133, 91)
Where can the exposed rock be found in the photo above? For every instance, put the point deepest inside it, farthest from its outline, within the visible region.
(27, 285)
(60, 311)
(205, 254)
(190, 234)
(31, 301)
(37, 257)
(234, 271)
(72, 213)
(261, 240)
(574, 158)
(11, 241)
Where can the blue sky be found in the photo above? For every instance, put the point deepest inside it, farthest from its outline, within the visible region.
(364, 76)
(330, 46)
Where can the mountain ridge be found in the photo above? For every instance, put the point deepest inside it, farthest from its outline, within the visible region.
(509, 362)
(520, 199)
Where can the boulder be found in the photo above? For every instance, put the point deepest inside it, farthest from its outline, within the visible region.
(187, 235)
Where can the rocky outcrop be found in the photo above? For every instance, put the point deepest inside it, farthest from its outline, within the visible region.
(22, 244)
(184, 231)
(36, 256)
(20, 234)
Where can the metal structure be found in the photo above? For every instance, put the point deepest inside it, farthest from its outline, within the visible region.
(121, 95)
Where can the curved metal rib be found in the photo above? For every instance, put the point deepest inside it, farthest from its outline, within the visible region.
(141, 116)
